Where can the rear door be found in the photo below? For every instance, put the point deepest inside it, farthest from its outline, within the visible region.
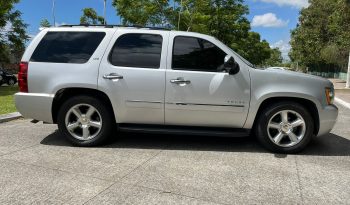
(132, 73)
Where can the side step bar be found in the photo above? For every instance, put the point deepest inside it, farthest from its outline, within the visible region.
(184, 130)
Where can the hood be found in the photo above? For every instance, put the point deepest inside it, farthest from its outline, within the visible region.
(286, 77)
(295, 74)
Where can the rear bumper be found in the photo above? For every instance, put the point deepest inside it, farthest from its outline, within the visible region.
(328, 118)
(35, 106)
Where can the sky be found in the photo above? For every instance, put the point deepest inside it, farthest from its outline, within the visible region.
(273, 19)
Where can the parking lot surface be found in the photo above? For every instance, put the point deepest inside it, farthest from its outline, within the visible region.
(38, 166)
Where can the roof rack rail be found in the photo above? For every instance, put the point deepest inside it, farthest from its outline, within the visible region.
(115, 25)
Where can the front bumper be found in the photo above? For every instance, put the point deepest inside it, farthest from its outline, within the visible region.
(328, 118)
(35, 106)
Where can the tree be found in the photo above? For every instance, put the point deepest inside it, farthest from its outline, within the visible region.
(321, 40)
(45, 23)
(12, 33)
(90, 16)
(276, 58)
(143, 12)
(339, 27)
(252, 48)
(223, 19)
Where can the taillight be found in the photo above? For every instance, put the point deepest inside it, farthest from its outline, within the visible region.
(23, 77)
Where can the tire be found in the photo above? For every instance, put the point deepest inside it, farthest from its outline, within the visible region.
(11, 82)
(92, 128)
(276, 133)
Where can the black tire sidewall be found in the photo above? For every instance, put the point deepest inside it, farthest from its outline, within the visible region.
(106, 115)
(261, 129)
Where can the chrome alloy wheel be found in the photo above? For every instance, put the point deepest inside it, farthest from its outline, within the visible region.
(83, 122)
(286, 128)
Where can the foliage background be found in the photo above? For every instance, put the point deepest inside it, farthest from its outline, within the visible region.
(224, 19)
(321, 41)
(12, 33)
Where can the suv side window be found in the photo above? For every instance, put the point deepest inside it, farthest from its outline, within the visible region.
(137, 50)
(67, 47)
(190, 53)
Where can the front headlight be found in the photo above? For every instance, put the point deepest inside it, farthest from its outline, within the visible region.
(330, 95)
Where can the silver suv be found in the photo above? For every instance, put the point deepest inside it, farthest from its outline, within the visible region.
(92, 79)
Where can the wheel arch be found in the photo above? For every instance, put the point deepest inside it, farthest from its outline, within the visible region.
(308, 104)
(63, 94)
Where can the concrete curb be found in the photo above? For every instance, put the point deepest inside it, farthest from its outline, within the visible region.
(9, 117)
(342, 102)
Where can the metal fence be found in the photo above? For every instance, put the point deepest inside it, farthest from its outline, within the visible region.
(339, 75)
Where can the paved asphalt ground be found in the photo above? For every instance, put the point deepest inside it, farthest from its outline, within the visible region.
(38, 166)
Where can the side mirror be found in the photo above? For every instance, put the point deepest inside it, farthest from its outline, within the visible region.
(231, 66)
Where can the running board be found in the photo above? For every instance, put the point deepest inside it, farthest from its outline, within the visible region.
(184, 130)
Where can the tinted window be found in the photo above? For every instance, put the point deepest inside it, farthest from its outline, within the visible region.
(137, 50)
(196, 54)
(67, 47)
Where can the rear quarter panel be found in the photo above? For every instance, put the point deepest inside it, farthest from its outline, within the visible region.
(48, 78)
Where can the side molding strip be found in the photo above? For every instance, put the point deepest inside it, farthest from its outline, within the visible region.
(181, 103)
(142, 101)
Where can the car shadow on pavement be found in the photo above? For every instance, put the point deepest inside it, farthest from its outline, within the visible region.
(328, 145)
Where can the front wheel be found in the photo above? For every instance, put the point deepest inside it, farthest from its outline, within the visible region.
(85, 121)
(285, 127)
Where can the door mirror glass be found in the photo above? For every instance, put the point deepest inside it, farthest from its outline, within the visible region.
(231, 66)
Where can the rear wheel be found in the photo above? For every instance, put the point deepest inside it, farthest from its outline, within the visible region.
(85, 121)
(11, 82)
(285, 127)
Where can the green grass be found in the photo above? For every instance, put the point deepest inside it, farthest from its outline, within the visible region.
(7, 104)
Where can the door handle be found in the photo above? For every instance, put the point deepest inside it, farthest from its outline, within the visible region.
(112, 76)
(180, 81)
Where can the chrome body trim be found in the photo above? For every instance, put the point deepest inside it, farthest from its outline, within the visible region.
(143, 101)
(203, 104)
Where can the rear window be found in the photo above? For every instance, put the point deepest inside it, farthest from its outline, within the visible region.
(67, 47)
(137, 50)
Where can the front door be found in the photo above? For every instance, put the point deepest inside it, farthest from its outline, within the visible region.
(132, 73)
(198, 92)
